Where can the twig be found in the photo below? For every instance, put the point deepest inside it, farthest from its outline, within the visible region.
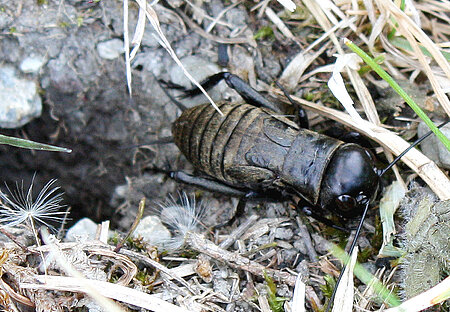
(235, 260)
(18, 297)
(13, 238)
(201, 32)
(306, 238)
(133, 226)
(238, 232)
(281, 26)
(127, 266)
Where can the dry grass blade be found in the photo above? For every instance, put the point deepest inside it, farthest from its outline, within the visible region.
(337, 85)
(232, 259)
(108, 290)
(324, 13)
(298, 298)
(288, 4)
(128, 268)
(126, 42)
(147, 10)
(435, 295)
(343, 301)
(203, 33)
(160, 267)
(411, 31)
(295, 69)
(68, 267)
(280, 24)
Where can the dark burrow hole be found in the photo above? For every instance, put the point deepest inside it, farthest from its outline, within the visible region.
(96, 128)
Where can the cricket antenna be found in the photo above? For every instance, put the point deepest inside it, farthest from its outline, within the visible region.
(350, 251)
(366, 208)
(418, 141)
(303, 117)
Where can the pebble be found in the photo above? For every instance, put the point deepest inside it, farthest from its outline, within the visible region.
(284, 233)
(19, 99)
(110, 49)
(152, 231)
(84, 230)
(32, 64)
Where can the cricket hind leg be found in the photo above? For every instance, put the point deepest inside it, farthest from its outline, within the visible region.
(250, 95)
(201, 182)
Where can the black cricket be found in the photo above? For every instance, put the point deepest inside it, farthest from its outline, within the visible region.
(252, 152)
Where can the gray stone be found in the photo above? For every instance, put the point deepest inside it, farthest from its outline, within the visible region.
(110, 49)
(5, 20)
(237, 17)
(150, 38)
(83, 230)
(32, 64)
(19, 100)
(154, 61)
(299, 245)
(433, 148)
(152, 231)
(221, 286)
(197, 66)
(283, 233)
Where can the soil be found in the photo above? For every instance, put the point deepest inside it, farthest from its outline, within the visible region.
(87, 106)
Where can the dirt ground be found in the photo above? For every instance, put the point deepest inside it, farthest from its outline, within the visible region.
(86, 103)
(87, 106)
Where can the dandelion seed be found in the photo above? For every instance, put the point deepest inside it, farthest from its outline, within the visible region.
(182, 216)
(18, 207)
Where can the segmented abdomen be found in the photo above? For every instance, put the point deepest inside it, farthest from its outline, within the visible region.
(217, 144)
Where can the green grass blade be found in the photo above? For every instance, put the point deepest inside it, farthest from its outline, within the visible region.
(31, 145)
(367, 278)
(402, 43)
(385, 76)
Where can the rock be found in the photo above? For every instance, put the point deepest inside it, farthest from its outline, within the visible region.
(110, 49)
(19, 99)
(152, 231)
(283, 233)
(5, 20)
(83, 230)
(299, 245)
(221, 285)
(32, 64)
(433, 148)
